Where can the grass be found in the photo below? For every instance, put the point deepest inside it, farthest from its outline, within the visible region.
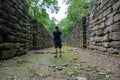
(64, 48)
(48, 63)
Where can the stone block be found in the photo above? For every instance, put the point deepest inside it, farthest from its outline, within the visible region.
(7, 46)
(105, 37)
(98, 44)
(5, 30)
(95, 27)
(114, 36)
(3, 14)
(8, 53)
(112, 50)
(115, 44)
(3, 21)
(102, 25)
(13, 18)
(99, 32)
(112, 28)
(116, 5)
(109, 21)
(1, 39)
(20, 51)
(116, 17)
(116, 27)
(106, 44)
(106, 12)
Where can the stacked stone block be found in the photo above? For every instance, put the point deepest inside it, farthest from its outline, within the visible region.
(77, 38)
(41, 37)
(104, 26)
(16, 30)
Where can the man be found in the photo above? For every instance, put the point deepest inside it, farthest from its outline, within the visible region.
(57, 40)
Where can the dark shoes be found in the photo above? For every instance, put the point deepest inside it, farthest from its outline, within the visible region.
(56, 56)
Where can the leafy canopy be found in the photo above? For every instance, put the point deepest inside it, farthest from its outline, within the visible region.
(76, 10)
(38, 9)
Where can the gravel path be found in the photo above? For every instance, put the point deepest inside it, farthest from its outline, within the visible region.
(41, 65)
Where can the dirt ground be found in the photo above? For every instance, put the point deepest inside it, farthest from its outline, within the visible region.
(74, 64)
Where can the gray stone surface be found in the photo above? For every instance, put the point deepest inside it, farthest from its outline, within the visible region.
(107, 16)
(102, 27)
(17, 30)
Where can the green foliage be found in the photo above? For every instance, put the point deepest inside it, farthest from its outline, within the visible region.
(76, 10)
(51, 25)
(38, 9)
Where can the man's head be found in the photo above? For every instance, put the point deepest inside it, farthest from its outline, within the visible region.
(56, 28)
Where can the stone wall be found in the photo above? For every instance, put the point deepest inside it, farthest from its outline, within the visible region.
(102, 31)
(77, 38)
(104, 26)
(41, 37)
(18, 32)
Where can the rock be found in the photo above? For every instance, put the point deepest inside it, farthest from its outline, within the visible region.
(114, 36)
(70, 73)
(77, 65)
(115, 44)
(81, 68)
(59, 68)
(65, 65)
(88, 69)
(52, 66)
(107, 77)
(106, 44)
(1, 39)
(116, 5)
(82, 61)
(82, 78)
(109, 21)
(102, 73)
(74, 58)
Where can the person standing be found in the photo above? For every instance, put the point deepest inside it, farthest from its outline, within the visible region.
(57, 41)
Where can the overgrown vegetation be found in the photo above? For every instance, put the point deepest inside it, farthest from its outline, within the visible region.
(38, 10)
(76, 10)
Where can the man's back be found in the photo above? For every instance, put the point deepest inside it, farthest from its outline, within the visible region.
(57, 36)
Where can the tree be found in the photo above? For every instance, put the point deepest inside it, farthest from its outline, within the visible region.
(76, 10)
(38, 9)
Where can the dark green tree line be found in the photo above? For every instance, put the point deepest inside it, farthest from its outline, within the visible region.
(76, 10)
(38, 9)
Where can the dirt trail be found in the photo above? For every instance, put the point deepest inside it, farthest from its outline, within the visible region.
(41, 65)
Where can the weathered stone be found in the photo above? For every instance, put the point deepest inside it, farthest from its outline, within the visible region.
(105, 37)
(112, 50)
(18, 31)
(96, 27)
(106, 12)
(102, 25)
(116, 5)
(8, 54)
(105, 44)
(99, 32)
(5, 46)
(77, 37)
(112, 28)
(114, 36)
(1, 39)
(109, 21)
(117, 17)
(115, 44)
